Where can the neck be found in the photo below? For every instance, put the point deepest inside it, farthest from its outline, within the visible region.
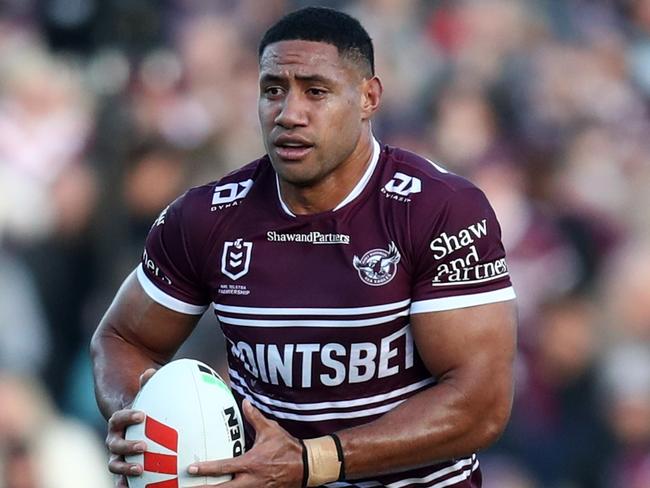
(330, 191)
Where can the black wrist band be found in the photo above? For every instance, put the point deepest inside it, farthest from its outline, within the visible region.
(339, 452)
(305, 464)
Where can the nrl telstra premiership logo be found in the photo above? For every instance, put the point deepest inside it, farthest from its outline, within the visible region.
(378, 266)
(236, 258)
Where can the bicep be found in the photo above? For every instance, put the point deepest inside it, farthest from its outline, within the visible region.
(471, 347)
(136, 319)
(470, 352)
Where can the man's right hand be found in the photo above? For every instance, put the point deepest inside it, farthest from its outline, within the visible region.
(118, 446)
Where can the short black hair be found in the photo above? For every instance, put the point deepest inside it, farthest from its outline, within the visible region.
(322, 24)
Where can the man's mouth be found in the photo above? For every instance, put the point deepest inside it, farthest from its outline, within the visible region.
(292, 150)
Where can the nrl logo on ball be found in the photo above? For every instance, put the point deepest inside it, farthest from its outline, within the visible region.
(378, 266)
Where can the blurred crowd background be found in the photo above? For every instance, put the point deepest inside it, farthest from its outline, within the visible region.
(110, 109)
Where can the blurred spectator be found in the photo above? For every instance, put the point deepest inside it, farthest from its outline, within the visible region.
(557, 430)
(62, 264)
(540, 258)
(23, 330)
(45, 122)
(41, 449)
(628, 295)
(626, 374)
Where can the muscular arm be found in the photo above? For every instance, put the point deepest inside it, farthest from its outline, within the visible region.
(471, 352)
(135, 334)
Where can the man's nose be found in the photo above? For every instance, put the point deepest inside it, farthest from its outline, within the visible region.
(293, 112)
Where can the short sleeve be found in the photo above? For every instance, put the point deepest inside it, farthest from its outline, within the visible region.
(462, 261)
(167, 272)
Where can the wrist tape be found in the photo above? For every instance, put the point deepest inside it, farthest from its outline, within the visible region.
(323, 460)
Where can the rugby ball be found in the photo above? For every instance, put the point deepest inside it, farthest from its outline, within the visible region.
(190, 416)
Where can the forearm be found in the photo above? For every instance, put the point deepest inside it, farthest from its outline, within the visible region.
(135, 334)
(437, 424)
(117, 366)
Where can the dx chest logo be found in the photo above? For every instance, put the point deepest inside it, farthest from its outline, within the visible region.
(236, 258)
(403, 185)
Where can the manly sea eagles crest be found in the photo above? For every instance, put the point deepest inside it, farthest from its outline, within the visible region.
(378, 266)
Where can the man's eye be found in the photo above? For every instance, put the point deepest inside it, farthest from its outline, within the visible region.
(273, 91)
(317, 92)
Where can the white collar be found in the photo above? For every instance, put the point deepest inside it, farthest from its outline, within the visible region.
(356, 191)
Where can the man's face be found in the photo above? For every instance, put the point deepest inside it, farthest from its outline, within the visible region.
(310, 109)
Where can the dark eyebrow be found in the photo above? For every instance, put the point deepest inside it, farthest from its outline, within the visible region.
(269, 78)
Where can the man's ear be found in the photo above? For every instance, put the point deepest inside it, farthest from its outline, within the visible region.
(371, 90)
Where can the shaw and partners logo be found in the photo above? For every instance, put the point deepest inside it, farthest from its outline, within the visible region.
(236, 258)
(445, 244)
(313, 237)
(458, 261)
(378, 266)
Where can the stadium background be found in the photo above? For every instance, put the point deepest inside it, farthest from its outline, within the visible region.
(109, 109)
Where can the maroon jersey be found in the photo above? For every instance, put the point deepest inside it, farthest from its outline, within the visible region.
(315, 308)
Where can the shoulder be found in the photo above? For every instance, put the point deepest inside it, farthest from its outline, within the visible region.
(433, 201)
(219, 195)
(423, 181)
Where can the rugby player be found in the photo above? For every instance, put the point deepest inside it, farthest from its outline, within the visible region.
(362, 289)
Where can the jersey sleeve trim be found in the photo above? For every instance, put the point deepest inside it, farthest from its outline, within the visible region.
(462, 301)
(164, 299)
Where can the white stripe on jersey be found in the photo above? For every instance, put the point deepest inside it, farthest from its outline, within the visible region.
(159, 296)
(316, 417)
(466, 466)
(356, 191)
(345, 484)
(332, 405)
(463, 467)
(462, 301)
(312, 323)
(312, 311)
(437, 166)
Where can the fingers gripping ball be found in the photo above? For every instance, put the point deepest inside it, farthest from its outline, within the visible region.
(191, 416)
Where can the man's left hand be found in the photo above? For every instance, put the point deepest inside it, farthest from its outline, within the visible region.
(274, 461)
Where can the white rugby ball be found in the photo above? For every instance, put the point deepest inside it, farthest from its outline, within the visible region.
(191, 415)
